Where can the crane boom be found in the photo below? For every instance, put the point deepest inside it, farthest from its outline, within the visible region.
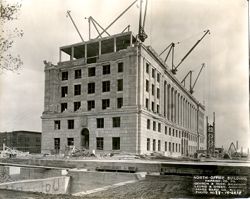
(190, 74)
(68, 12)
(175, 69)
(117, 18)
(202, 66)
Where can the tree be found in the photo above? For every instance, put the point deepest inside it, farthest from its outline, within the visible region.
(8, 13)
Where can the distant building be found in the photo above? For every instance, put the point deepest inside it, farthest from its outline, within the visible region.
(115, 94)
(26, 141)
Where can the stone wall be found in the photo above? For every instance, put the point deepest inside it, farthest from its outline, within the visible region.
(55, 185)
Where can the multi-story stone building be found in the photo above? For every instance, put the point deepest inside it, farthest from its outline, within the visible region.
(116, 94)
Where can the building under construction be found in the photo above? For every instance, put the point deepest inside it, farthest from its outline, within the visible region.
(114, 94)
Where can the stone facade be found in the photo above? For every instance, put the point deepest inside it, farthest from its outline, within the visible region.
(116, 95)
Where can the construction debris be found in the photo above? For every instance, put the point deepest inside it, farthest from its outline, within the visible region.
(9, 153)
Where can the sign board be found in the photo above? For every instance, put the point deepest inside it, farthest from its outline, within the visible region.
(218, 185)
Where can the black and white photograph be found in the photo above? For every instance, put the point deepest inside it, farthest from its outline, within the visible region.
(124, 99)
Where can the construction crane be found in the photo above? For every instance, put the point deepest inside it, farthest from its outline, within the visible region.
(69, 15)
(91, 20)
(232, 150)
(191, 89)
(174, 68)
(141, 33)
(116, 19)
(171, 50)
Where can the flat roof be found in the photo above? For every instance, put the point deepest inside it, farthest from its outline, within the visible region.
(21, 131)
(98, 39)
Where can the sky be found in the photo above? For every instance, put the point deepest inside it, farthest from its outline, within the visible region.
(222, 85)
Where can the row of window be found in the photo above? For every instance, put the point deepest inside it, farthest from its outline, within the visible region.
(70, 123)
(153, 89)
(152, 106)
(153, 72)
(176, 102)
(116, 121)
(171, 131)
(91, 88)
(99, 143)
(171, 147)
(92, 71)
(91, 104)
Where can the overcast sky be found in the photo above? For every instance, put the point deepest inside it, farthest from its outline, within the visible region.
(222, 86)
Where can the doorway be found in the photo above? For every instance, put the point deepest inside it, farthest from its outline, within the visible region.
(85, 138)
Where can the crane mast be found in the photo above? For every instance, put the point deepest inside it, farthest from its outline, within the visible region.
(141, 33)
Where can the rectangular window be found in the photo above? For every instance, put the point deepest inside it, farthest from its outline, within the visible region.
(169, 146)
(106, 69)
(70, 124)
(99, 143)
(64, 107)
(77, 106)
(64, 75)
(116, 143)
(147, 85)
(57, 124)
(148, 144)
(119, 84)
(99, 122)
(77, 89)
(70, 141)
(116, 122)
(105, 103)
(158, 93)
(78, 74)
(166, 130)
(91, 71)
(119, 102)
(159, 145)
(106, 86)
(159, 127)
(153, 72)
(169, 132)
(64, 91)
(173, 147)
(176, 133)
(157, 108)
(153, 106)
(166, 146)
(120, 67)
(57, 144)
(147, 67)
(154, 145)
(173, 133)
(91, 88)
(148, 123)
(146, 103)
(158, 77)
(153, 89)
(154, 126)
(91, 104)
(176, 147)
